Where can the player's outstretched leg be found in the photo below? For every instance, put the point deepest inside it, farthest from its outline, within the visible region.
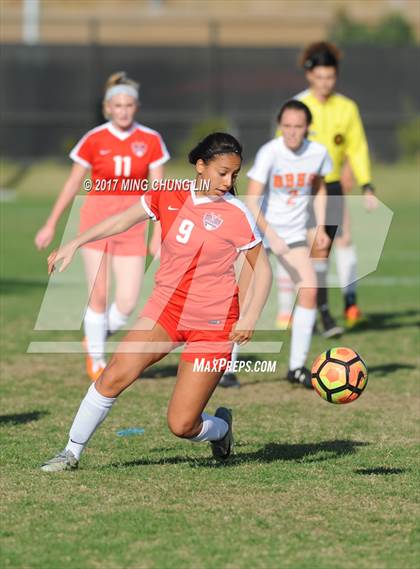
(123, 369)
(92, 411)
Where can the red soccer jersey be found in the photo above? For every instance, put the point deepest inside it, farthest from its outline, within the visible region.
(114, 155)
(201, 239)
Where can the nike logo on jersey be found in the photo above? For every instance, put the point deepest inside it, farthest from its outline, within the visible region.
(104, 152)
(173, 208)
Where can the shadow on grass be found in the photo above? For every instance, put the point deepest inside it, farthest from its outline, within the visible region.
(386, 369)
(272, 452)
(387, 321)
(20, 286)
(22, 418)
(268, 379)
(382, 470)
(160, 372)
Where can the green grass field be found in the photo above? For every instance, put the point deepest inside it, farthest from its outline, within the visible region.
(311, 485)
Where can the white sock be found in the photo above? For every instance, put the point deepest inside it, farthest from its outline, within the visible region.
(92, 411)
(95, 332)
(213, 429)
(285, 291)
(116, 319)
(346, 261)
(302, 328)
(235, 352)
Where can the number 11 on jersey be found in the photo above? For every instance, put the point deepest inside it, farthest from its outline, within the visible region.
(122, 166)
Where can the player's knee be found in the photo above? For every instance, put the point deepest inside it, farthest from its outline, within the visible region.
(319, 254)
(183, 428)
(116, 377)
(126, 305)
(344, 240)
(98, 302)
(307, 297)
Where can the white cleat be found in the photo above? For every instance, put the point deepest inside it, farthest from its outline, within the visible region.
(65, 460)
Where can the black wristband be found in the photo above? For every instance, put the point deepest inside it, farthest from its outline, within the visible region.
(368, 188)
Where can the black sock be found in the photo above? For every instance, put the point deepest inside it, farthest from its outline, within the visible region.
(322, 293)
(349, 299)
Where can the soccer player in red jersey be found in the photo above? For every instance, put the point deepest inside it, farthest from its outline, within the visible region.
(194, 302)
(115, 153)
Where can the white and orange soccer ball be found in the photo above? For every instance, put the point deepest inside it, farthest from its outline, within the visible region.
(339, 375)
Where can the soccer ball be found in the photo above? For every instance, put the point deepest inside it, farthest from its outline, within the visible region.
(339, 375)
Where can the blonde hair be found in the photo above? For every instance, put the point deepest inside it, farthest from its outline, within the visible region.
(118, 78)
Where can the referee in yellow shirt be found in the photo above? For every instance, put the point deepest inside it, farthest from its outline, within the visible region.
(337, 125)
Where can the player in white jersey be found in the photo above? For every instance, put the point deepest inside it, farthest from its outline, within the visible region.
(286, 173)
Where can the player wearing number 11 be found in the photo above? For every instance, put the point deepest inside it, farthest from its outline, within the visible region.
(115, 153)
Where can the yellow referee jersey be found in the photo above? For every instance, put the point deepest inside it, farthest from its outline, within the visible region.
(337, 125)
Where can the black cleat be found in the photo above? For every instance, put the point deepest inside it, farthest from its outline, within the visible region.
(330, 326)
(300, 375)
(229, 380)
(222, 449)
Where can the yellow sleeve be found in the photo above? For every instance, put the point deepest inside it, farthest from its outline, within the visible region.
(357, 149)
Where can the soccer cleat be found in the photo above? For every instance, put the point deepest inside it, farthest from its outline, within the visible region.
(331, 328)
(93, 369)
(229, 380)
(65, 460)
(300, 375)
(222, 449)
(353, 315)
(283, 321)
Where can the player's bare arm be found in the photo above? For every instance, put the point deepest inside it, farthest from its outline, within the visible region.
(70, 189)
(322, 241)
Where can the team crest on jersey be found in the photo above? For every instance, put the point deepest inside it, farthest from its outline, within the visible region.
(139, 149)
(212, 221)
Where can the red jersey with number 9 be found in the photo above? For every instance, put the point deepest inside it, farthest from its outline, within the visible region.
(201, 239)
